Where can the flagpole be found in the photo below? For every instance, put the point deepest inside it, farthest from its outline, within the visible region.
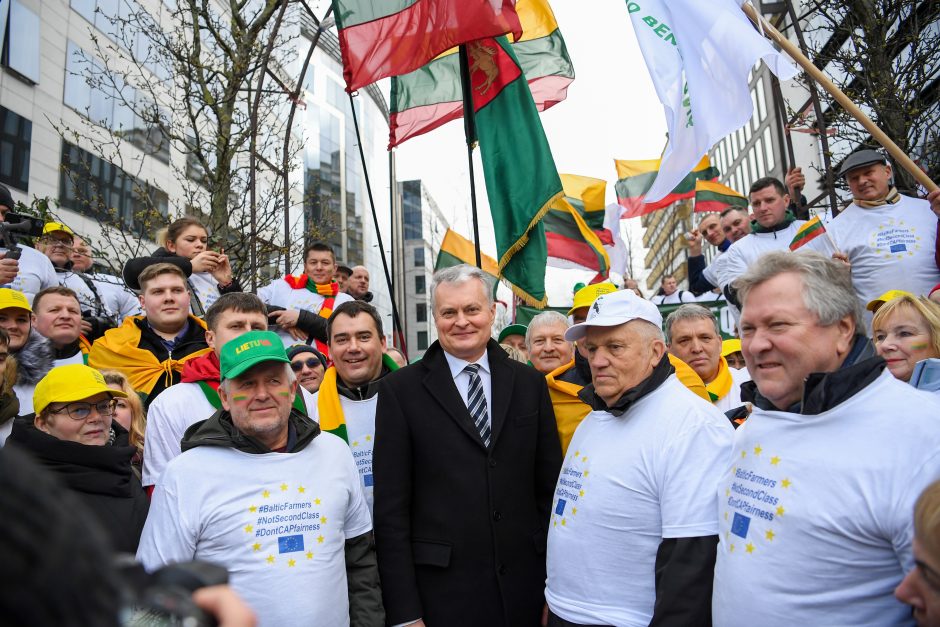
(396, 321)
(470, 131)
(803, 61)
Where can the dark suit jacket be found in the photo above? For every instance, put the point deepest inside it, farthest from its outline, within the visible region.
(460, 529)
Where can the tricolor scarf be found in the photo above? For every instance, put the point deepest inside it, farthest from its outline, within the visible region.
(329, 407)
(85, 347)
(721, 385)
(205, 373)
(328, 291)
(118, 350)
(892, 197)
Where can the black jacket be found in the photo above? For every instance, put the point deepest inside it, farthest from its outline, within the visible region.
(461, 528)
(134, 267)
(194, 340)
(100, 475)
(362, 575)
(824, 390)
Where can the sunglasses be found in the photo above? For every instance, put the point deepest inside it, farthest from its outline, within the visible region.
(311, 363)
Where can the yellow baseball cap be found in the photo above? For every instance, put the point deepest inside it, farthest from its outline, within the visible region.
(67, 384)
(12, 298)
(730, 346)
(53, 227)
(889, 295)
(586, 296)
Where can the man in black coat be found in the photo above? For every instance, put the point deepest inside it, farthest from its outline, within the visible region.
(465, 462)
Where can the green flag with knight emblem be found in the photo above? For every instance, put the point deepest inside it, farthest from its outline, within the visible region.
(521, 179)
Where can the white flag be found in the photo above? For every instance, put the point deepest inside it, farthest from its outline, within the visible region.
(618, 252)
(699, 53)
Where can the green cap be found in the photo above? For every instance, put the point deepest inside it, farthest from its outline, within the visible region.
(512, 329)
(250, 349)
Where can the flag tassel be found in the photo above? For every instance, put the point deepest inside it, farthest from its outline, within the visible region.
(801, 59)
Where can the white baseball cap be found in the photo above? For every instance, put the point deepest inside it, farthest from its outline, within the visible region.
(610, 310)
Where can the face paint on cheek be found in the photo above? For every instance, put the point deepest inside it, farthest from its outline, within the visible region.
(284, 394)
(239, 398)
(919, 347)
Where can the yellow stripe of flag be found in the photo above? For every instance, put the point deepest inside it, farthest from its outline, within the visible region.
(628, 168)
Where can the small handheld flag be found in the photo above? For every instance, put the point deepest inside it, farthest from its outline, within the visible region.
(808, 232)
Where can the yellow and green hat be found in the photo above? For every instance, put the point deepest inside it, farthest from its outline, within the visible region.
(67, 384)
(12, 298)
(730, 346)
(248, 350)
(873, 305)
(512, 329)
(586, 296)
(54, 227)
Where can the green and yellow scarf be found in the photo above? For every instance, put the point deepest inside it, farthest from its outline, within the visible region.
(332, 419)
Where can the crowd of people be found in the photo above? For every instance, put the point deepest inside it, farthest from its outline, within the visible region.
(607, 466)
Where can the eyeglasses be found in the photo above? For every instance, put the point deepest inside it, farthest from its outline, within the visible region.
(311, 363)
(81, 411)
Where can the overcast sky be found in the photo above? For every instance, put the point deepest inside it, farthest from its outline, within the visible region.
(611, 112)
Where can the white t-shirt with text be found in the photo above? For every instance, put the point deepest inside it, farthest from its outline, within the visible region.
(277, 521)
(626, 483)
(816, 511)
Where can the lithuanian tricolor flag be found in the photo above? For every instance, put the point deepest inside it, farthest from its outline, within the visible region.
(431, 96)
(713, 196)
(808, 232)
(522, 182)
(636, 177)
(380, 38)
(574, 227)
(457, 249)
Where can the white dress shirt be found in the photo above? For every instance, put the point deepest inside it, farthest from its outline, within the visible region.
(462, 381)
(462, 378)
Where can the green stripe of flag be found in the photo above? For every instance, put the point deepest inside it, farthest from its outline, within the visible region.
(353, 12)
(562, 223)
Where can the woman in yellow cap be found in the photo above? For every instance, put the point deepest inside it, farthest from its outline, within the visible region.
(73, 435)
(731, 351)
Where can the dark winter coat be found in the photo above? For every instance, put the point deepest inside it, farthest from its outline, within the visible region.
(101, 476)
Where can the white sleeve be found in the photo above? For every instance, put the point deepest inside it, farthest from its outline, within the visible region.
(310, 401)
(47, 273)
(169, 535)
(709, 272)
(695, 462)
(358, 519)
(901, 531)
(266, 293)
(732, 267)
(126, 304)
(162, 440)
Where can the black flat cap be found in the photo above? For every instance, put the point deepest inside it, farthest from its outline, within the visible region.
(861, 158)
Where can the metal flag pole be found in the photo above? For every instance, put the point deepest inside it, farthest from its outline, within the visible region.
(396, 321)
(470, 130)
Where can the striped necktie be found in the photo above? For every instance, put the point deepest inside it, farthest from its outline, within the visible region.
(476, 403)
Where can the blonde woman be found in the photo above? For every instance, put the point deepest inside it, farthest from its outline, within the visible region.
(129, 413)
(906, 330)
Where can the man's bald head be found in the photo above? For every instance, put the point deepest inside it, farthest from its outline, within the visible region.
(358, 284)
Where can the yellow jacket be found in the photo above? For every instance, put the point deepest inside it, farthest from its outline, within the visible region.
(571, 410)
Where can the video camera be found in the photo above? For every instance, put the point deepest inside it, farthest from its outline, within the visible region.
(18, 225)
(164, 598)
